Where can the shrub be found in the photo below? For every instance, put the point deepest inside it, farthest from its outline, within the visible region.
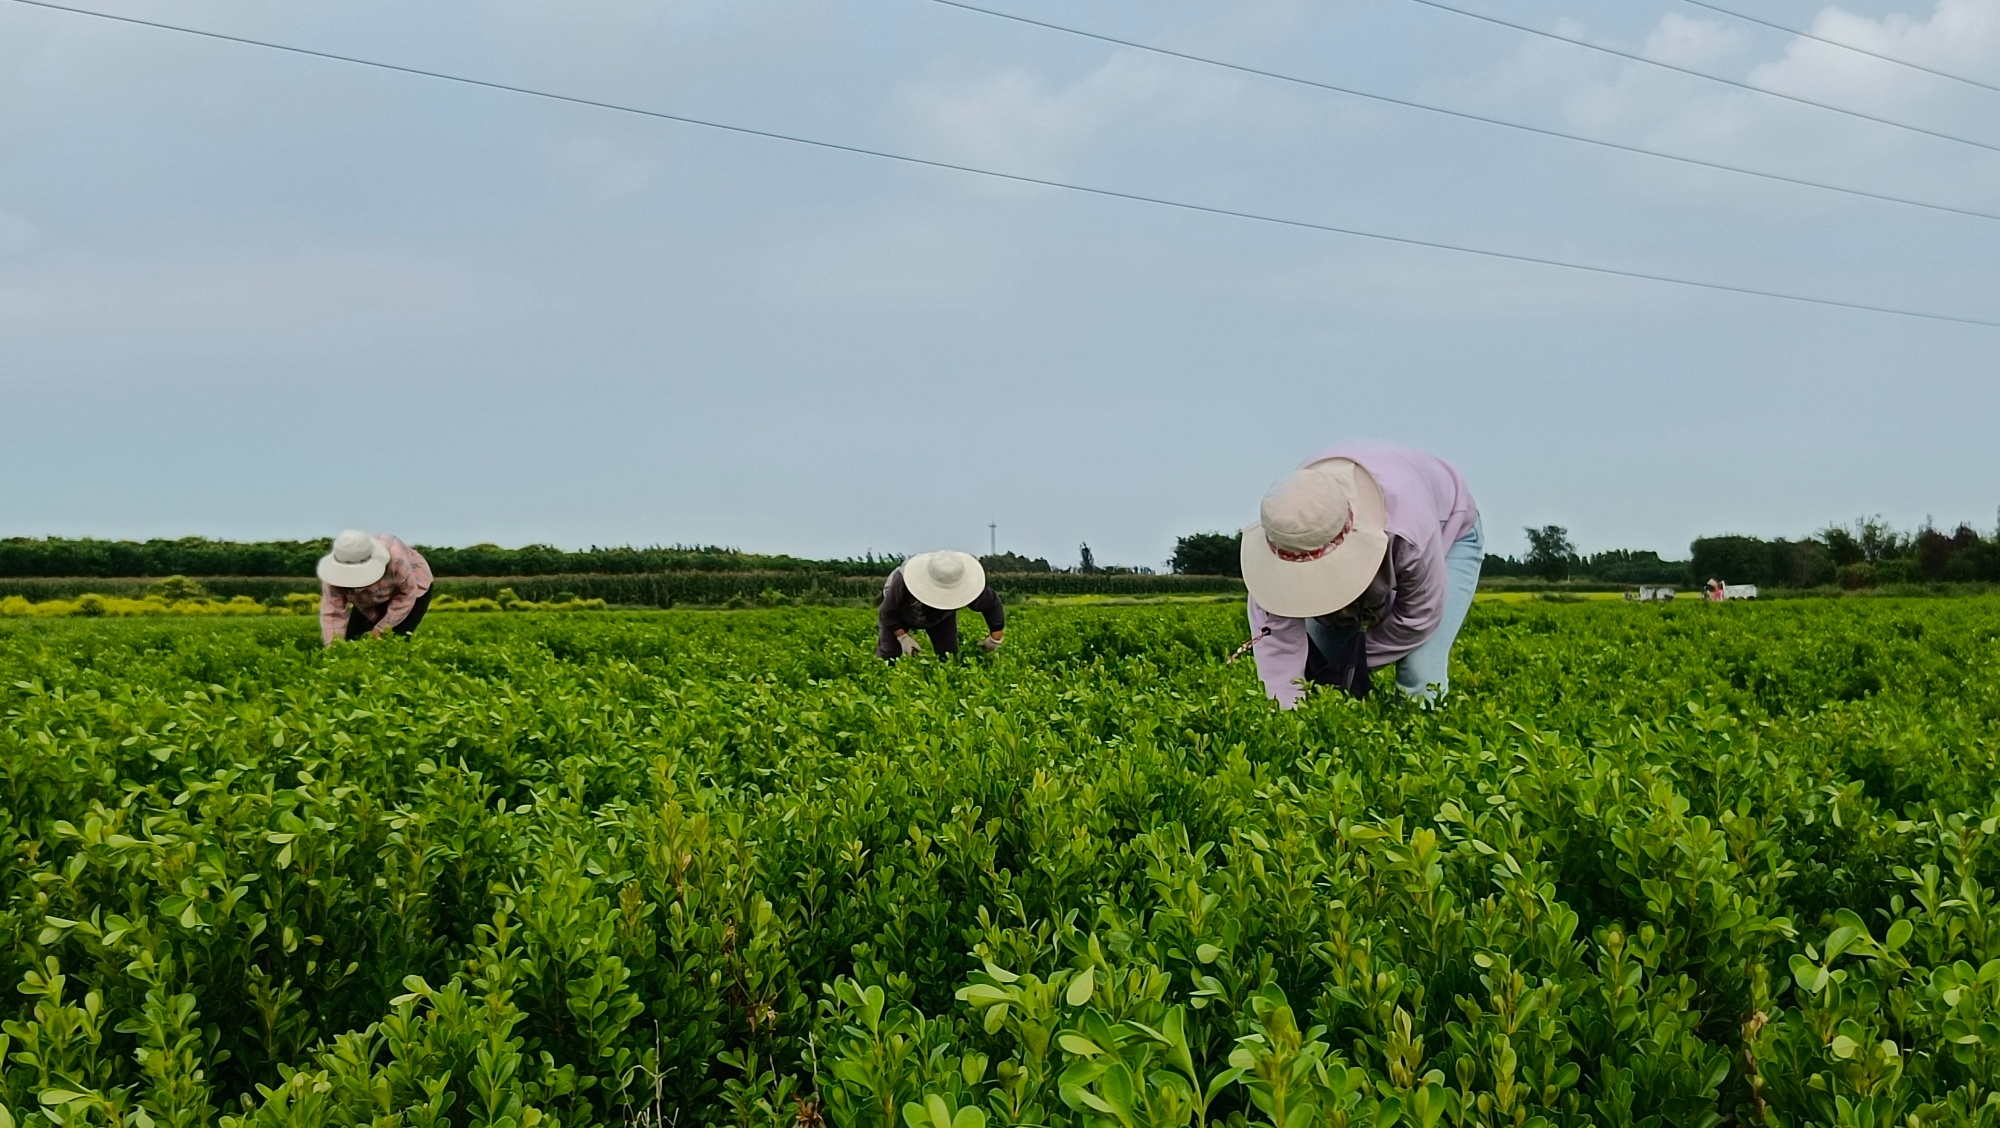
(1857, 575)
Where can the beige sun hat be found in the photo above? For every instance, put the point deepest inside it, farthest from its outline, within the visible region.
(356, 561)
(946, 580)
(1318, 541)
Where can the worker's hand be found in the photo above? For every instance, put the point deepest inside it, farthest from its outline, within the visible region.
(909, 643)
(991, 642)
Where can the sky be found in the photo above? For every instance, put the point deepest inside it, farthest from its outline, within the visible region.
(252, 294)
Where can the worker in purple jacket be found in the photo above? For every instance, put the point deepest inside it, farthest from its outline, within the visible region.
(1365, 556)
(925, 594)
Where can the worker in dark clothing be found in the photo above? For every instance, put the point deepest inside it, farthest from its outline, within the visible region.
(925, 593)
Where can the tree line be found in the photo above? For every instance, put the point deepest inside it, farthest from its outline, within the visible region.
(1862, 554)
(88, 557)
(201, 556)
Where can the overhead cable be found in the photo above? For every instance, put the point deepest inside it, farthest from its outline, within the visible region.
(1018, 178)
(1677, 69)
(1465, 115)
(1733, 14)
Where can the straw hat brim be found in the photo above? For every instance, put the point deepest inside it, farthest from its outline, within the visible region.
(917, 577)
(1307, 588)
(356, 575)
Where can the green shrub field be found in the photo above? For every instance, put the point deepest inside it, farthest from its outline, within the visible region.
(1680, 865)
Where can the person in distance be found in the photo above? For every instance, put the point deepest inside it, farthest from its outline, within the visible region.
(369, 585)
(924, 594)
(1363, 557)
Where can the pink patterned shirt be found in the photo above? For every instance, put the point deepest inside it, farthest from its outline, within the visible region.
(407, 577)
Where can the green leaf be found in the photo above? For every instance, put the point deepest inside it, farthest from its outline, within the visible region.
(1899, 935)
(971, 1116)
(1207, 953)
(1843, 1047)
(1079, 1045)
(1000, 974)
(1082, 987)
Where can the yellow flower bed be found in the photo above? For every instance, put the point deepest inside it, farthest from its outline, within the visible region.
(120, 607)
(297, 603)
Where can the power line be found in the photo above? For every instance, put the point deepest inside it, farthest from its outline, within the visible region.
(1638, 58)
(1843, 46)
(1616, 146)
(1018, 178)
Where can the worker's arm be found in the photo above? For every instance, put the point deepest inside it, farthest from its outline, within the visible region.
(895, 594)
(332, 614)
(399, 608)
(988, 605)
(1279, 645)
(413, 578)
(1417, 606)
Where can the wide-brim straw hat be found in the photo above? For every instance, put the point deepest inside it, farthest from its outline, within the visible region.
(356, 561)
(1318, 542)
(946, 580)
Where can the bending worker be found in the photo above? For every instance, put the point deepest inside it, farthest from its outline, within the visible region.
(924, 594)
(370, 585)
(1365, 556)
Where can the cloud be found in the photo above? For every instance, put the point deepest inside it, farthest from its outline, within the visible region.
(1961, 36)
(1023, 121)
(1645, 106)
(1685, 42)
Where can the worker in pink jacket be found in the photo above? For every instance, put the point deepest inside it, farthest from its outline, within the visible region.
(1365, 556)
(370, 585)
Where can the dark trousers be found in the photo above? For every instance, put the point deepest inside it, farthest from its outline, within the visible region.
(360, 622)
(1337, 656)
(944, 639)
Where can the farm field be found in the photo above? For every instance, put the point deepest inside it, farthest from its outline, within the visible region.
(1678, 865)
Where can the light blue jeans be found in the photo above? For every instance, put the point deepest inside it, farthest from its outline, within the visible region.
(1424, 674)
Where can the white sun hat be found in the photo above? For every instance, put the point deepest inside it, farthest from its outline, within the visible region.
(1318, 541)
(946, 580)
(356, 561)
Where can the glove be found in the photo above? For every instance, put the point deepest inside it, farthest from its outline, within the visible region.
(909, 643)
(989, 644)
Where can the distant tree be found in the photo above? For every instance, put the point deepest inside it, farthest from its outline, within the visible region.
(1731, 559)
(1633, 566)
(179, 589)
(1935, 551)
(1011, 563)
(1551, 554)
(1842, 545)
(1208, 554)
(1869, 540)
(1086, 562)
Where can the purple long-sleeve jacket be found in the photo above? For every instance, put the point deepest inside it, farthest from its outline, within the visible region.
(1428, 509)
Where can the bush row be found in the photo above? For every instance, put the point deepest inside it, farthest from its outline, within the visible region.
(658, 589)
